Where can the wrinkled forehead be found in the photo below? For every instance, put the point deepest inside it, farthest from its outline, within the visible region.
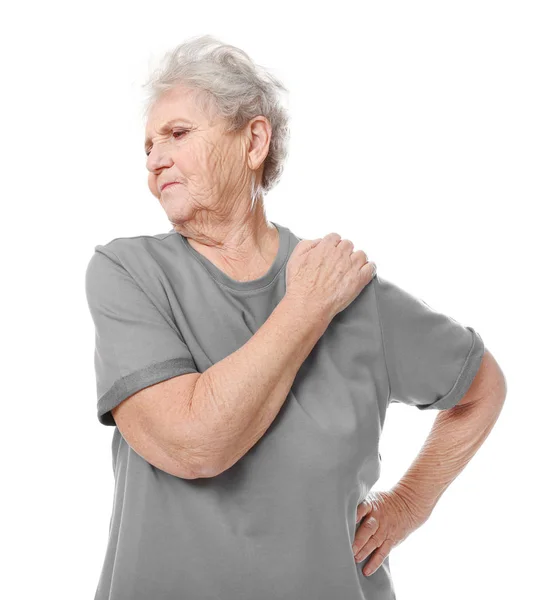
(180, 104)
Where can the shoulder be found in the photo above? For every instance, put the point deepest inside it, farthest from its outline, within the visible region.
(391, 291)
(402, 309)
(393, 299)
(147, 261)
(125, 246)
(141, 253)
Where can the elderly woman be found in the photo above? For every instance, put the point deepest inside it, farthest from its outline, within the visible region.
(248, 372)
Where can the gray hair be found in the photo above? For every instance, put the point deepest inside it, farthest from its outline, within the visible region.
(231, 85)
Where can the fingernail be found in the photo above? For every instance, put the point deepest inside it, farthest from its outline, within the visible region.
(354, 548)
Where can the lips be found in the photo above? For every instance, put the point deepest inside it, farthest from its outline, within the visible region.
(168, 184)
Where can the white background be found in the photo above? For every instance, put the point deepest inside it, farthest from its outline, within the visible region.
(425, 132)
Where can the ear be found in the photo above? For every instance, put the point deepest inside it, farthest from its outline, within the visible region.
(259, 132)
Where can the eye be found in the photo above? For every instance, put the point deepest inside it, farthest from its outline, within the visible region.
(179, 133)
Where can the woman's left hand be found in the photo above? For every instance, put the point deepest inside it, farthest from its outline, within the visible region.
(388, 521)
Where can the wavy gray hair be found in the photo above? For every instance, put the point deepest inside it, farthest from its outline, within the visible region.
(231, 85)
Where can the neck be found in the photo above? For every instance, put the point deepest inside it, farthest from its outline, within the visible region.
(243, 246)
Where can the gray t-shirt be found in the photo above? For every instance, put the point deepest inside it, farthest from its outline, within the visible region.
(278, 524)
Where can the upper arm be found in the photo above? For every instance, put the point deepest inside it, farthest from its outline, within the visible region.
(431, 358)
(145, 373)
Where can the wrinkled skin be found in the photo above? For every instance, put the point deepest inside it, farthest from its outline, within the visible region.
(387, 520)
(215, 170)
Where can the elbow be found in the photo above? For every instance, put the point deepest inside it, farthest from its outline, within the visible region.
(206, 447)
(197, 464)
(500, 386)
(494, 386)
(204, 471)
(209, 446)
(212, 466)
(200, 458)
(200, 448)
(191, 469)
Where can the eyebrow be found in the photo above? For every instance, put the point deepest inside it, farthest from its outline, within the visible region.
(165, 127)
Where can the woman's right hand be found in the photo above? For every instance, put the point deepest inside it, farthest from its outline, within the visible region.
(326, 274)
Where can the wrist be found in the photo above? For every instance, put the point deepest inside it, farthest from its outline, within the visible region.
(409, 501)
(308, 311)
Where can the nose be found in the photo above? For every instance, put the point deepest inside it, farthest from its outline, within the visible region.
(158, 159)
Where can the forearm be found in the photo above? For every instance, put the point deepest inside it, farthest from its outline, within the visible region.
(455, 437)
(236, 400)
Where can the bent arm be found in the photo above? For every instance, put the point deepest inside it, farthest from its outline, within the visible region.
(455, 437)
(235, 401)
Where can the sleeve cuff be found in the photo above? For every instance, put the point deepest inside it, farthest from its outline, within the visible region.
(134, 382)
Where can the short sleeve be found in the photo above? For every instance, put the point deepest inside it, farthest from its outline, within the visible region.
(136, 343)
(431, 358)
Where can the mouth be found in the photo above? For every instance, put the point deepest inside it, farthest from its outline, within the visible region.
(168, 184)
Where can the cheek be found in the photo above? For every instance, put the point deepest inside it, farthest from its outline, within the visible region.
(210, 160)
(195, 162)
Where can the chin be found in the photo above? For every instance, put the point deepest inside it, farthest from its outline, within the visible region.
(179, 218)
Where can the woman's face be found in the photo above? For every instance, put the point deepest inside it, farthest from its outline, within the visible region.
(209, 164)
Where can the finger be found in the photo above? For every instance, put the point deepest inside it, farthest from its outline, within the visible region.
(371, 544)
(363, 509)
(307, 245)
(361, 512)
(378, 557)
(364, 532)
(370, 268)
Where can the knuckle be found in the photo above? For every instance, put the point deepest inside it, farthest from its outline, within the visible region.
(381, 554)
(359, 543)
